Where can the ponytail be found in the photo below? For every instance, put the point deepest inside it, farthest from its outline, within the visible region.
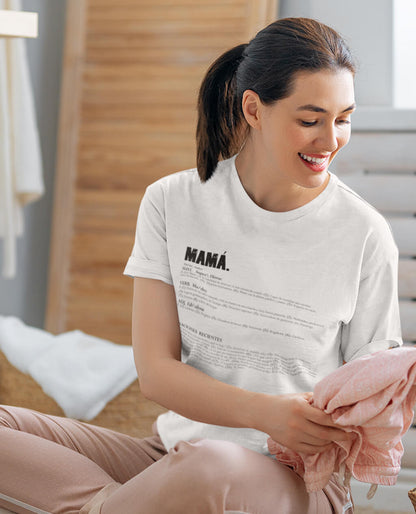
(220, 125)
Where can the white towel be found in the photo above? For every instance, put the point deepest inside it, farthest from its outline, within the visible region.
(21, 177)
(22, 344)
(82, 373)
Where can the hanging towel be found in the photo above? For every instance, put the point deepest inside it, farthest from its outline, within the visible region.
(372, 397)
(21, 177)
(82, 373)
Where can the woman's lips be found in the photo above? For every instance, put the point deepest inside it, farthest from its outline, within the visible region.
(317, 163)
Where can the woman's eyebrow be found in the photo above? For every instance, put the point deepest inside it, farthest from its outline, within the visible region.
(315, 108)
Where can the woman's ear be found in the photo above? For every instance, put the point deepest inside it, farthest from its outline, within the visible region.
(251, 106)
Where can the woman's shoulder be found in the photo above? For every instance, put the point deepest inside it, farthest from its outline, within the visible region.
(358, 208)
(188, 180)
(175, 180)
(362, 217)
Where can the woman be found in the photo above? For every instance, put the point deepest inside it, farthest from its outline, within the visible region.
(255, 277)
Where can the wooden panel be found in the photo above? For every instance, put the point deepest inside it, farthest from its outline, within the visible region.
(408, 320)
(106, 211)
(132, 70)
(68, 136)
(390, 192)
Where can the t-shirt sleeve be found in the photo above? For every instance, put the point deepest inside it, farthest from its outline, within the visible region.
(375, 324)
(149, 258)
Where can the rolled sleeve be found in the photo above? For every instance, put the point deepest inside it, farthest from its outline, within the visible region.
(149, 258)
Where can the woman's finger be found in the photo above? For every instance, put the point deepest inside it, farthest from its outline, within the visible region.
(310, 449)
(323, 433)
(319, 417)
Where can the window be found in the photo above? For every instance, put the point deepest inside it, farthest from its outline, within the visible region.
(404, 54)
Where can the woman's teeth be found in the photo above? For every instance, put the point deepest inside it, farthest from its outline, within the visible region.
(316, 160)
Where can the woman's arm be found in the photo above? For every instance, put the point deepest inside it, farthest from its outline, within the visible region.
(288, 419)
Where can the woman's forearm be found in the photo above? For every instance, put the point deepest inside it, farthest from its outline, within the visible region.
(288, 419)
(171, 383)
(195, 395)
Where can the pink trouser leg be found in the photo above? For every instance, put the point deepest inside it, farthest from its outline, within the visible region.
(45, 475)
(213, 477)
(57, 465)
(61, 466)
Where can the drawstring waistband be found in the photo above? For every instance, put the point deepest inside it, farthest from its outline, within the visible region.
(344, 479)
(372, 491)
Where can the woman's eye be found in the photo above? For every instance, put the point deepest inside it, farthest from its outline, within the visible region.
(308, 123)
(344, 122)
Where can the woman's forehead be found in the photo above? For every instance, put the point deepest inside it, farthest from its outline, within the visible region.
(320, 90)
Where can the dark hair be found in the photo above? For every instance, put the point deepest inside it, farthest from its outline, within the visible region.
(267, 65)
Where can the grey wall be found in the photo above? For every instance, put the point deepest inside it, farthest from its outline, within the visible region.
(25, 295)
(367, 26)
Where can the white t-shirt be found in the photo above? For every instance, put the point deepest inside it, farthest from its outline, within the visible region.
(267, 301)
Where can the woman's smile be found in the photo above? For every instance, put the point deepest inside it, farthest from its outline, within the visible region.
(317, 163)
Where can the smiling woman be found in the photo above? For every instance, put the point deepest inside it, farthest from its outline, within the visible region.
(290, 112)
(256, 275)
(292, 141)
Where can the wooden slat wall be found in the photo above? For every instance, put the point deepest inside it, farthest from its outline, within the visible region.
(131, 74)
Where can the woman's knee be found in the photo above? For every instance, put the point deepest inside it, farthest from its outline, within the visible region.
(209, 452)
(215, 463)
(240, 478)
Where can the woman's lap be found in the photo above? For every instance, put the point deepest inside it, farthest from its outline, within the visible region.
(78, 460)
(206, 477)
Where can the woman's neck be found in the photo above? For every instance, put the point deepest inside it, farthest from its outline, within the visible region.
(269, 190)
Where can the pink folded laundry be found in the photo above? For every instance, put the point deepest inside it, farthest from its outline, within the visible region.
(372, 397)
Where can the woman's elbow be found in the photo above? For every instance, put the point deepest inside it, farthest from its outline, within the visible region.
(156, 373)
(147, 387)
(150, 382)
(145, 383)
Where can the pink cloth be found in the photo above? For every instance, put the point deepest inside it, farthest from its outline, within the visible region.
(372, 397)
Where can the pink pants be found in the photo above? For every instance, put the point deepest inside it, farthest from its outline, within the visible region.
(58, 465)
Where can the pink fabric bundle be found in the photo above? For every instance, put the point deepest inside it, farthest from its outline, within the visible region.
(372, 397)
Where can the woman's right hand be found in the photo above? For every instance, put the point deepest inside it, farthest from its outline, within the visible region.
(292, 421)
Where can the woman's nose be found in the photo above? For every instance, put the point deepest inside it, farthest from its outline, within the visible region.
(328, 139)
